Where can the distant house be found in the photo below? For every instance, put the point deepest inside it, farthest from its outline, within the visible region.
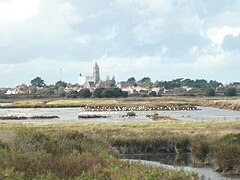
(123, 85)
(187, 88)
(156, 90)
(13, 91)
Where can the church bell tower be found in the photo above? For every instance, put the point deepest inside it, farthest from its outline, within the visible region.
(96, 74)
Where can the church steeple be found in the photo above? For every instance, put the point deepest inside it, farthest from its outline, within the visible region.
(96, 74)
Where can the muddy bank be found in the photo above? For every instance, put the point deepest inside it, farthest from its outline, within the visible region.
(157, 117)
(94, 116)
(225, 105)
(13, 117)
(153, 147)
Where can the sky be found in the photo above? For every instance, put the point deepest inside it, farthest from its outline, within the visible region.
(161, 39)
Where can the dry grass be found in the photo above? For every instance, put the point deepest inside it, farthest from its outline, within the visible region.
(71, 152)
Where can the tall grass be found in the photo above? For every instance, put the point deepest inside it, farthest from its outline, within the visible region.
(63, 154)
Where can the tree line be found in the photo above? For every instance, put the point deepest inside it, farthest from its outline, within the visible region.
(109, 89)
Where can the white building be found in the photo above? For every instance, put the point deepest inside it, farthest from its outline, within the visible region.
(90, 81)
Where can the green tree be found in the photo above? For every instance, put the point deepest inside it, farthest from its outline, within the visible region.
(146, 81)
(231, 91)
(108, 93)
(210, 92)
(72, 94)
(85, 93)
(215, 84)
(61, 84)
(158, 84)
(131, 80)
(152, 93)
(38, 81)
(97, 93)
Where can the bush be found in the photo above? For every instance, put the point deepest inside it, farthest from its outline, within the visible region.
(98, 93)
(131, 114)
(200, 150)
(85, 93)
(226, 151)
(230, 92)
(152, 93)
(72, 94)
(109, 93)
(210, 92)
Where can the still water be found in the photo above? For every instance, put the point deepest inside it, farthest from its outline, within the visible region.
(175, 162)
(67, 115)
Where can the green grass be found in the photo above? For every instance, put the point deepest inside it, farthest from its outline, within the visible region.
(89, 150)
(42, 152)
(50, 103)
(231, 103)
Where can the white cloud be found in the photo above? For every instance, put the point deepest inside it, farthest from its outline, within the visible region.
(158, 38)
(49, 33)
(18, 10)
(217, 35)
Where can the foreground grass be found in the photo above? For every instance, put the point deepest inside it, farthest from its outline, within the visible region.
(91, 150)
(68, 152)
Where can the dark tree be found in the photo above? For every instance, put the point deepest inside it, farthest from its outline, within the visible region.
(215, 84)
(39, 82)
(108, 93)
(152, 93)
(231, 91)
(145, 82)
(98, 92)
(72, 94)
(61, 84)
(85, 93)
(131, 80)
(125, 94)
(210, 92)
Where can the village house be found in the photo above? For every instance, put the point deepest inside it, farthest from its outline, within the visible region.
(13, 91)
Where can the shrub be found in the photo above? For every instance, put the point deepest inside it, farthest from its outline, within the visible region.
(152, 93)
(131, 114)
(72, 94)
(85, 93)
(98, 93)
(230, 91)
(226, 151)
(210, 92)
(200, 150)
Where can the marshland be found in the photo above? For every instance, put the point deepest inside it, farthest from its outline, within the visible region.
(103, 149)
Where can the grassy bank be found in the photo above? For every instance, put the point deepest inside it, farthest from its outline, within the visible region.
(231, 103)
(53, 103)
(91, 150)
(226, 104)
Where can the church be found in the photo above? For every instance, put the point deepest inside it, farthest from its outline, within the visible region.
(90, 82)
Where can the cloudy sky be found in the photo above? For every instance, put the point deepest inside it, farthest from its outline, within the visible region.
(162, 39)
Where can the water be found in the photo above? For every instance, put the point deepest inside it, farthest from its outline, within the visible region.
(174, 162)
(70, 115)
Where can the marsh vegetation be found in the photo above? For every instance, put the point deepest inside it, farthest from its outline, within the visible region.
(92, 150)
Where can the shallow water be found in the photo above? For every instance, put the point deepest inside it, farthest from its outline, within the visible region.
(70, 115)
(174, 162)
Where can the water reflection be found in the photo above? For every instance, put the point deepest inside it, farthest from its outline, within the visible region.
(176, 162)
(183, 159)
